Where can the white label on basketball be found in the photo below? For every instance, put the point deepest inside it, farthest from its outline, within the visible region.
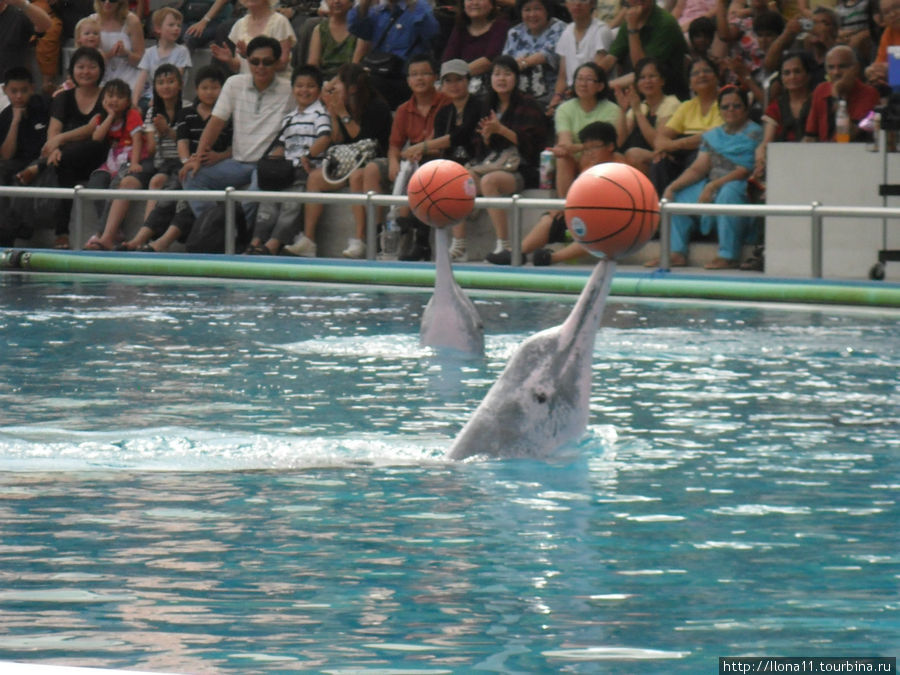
(578, 227)
(470, 188)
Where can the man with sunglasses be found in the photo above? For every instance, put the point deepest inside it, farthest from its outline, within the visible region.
(649, 30)
(255, 102)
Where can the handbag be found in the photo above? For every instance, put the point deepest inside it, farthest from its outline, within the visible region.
(383, 64)
(507, 159)
(344, 158)
(274, 174)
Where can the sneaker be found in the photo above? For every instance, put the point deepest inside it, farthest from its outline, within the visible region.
(355, 249)
(303, 246)
(504, 257)
(542, 257)
(458, 250)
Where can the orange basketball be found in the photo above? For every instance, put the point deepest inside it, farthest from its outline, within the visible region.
(612, 209)
(441, 192)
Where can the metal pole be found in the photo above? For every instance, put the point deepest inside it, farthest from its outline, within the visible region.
(516, 240)
(665, 244)
(371, 227)
(816, 241)
(78, 213)
(230, 226)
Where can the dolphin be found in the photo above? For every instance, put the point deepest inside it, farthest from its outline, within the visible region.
(542, 398)
(450, 320)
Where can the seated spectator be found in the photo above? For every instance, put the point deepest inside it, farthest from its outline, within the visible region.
(582, 41)
(167, 26)
(844, 84)
(748, 32)
(412, 124)
(48, 47)
(20, 20)
(598, 143)
(786, 115)
(718, 175)
(477, 38)
(643, 110)
(532, 44)
(357, 112)
(456, 132)
(260, 20)
(855, 19)
(877, 72)
(395, 29)
(203, 19)
(169, 222)
(513, 120)
(121, 40)
(591, 104)
(701, 38)
(23, 132)
(676, 143)
(69, 147)
(650, 30)
(160, 135)
(686, 11)
(305, 134)
(121, 128)
(255, 104)
(332, 44)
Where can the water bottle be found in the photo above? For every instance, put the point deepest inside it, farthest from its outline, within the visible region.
(390, 238)
(876, 132)
(842, 123)
(547, 169)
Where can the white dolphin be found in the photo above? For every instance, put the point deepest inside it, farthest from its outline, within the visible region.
(542, 398)
(450, 320)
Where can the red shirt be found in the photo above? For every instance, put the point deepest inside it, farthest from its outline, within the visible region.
(820, 123)
(410, 125)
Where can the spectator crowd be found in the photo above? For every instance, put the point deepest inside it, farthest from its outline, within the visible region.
(690, 92)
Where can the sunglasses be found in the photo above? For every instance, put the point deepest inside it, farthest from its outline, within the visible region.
(261, 62)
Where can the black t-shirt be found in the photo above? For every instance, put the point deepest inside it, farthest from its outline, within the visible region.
(65, 109)
(376, 123)
(463, 129)
(32, 129)
(189, 125)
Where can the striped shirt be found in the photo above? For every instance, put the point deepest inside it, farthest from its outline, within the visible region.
(301, 128)
(255, 115)
(190, 126)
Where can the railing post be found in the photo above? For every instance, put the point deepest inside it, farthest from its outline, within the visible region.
(371, 227)
(665, 234)
(230, 226)
(816, 241)
(516, 231)
(78, 216)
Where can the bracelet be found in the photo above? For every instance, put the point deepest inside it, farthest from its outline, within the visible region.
(634, 31)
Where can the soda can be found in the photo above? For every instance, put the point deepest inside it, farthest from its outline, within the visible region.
(547, 169)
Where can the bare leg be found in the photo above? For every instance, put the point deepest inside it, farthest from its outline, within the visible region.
(118, 209)
(169, 237)
(566, 170)
(498, 184)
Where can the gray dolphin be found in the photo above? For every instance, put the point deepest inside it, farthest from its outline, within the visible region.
(541, 399)
(450, 320)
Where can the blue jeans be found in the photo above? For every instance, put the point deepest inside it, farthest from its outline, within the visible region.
(731, 230)
(227, 173)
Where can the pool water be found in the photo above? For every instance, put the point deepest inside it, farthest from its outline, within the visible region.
(201, 477)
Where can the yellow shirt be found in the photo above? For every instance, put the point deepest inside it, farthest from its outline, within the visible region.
(689, 120)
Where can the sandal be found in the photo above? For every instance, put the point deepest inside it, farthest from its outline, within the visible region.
(94, 244)
(61, 242)
(146, 248)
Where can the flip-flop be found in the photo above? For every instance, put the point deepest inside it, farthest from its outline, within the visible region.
(94, 244)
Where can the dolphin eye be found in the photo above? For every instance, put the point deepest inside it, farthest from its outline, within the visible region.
(540, 397)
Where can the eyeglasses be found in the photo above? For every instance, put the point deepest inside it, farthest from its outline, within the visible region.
(731, 106)
(261, 62)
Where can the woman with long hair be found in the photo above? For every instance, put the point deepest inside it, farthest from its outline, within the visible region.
(357, 112)
(260, 19)
(121, 40)
(718, 175)
(513, 120)
(645, 109)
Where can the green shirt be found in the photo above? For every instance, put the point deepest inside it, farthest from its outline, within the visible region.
(571, 117)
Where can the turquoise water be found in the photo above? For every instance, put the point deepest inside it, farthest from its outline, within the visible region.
(198, 477)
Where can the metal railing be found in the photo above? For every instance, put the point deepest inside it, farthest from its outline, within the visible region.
(815, 212)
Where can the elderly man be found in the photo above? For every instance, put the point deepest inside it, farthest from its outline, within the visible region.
(256, 103)
(649, 30)
(844, 84)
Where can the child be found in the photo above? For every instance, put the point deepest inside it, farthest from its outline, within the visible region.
(305, 134)
(165, 222)
(87, 34)
(121, 128)
(161, 139)
(167, 26)
(598, 142)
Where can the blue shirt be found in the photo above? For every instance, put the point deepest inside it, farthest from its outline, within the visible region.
(410, 33)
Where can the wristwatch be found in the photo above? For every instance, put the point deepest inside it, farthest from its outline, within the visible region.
(346, 119)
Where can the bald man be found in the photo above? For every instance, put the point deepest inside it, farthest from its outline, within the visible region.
(844, 83)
